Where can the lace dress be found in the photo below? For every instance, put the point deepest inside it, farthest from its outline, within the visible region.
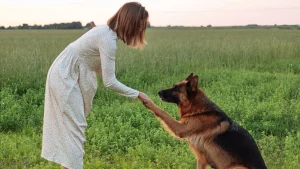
(70, 88)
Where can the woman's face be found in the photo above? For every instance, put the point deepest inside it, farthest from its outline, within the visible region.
(143, 24)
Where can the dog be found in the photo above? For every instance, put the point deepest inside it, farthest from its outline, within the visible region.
(215, 139)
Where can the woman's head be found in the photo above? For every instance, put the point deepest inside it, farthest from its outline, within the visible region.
(130, 24)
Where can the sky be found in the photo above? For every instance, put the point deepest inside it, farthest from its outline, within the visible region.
(162, 12)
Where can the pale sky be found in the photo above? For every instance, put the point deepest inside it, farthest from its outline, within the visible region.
(162, 12)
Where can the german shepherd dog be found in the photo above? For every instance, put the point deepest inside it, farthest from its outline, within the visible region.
(215, 139)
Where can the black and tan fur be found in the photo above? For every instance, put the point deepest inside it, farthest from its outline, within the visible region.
(215, 139)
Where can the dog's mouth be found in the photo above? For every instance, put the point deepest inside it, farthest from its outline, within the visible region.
(163, 99)
(166, 98)
(161, 96)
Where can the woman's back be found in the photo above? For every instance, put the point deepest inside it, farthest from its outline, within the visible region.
(92, 43)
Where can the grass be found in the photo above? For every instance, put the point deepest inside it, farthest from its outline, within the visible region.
(253, 75)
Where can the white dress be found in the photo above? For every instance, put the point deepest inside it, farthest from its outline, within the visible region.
(70, 88)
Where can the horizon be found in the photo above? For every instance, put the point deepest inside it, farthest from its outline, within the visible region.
(191, 13)
(83, 25)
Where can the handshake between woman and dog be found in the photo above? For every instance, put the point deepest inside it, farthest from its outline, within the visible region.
(215, 139)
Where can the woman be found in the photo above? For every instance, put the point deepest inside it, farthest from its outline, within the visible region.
(71, 83)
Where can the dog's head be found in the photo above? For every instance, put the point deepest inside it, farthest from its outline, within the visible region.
(181, 93)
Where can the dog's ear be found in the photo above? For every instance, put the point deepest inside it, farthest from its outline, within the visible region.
(193, 83)
(189, 77)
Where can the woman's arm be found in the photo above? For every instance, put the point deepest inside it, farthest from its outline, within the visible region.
(107, 54)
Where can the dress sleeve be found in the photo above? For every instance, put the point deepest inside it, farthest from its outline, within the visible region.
(107, 55)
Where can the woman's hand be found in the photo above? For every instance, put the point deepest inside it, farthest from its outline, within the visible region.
(144, 98)
(147, 102)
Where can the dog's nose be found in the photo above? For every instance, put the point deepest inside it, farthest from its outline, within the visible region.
(160, 93)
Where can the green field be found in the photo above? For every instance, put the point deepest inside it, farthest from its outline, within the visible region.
(253, 75)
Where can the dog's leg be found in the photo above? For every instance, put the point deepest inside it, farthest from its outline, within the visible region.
(201, 159)
(238, 167)
(179, 129)
(175, 128)
(200, 165)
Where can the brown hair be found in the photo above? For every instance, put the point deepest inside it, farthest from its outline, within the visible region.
(130, 23)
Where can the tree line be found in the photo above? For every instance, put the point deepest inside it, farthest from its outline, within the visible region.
(249, 26)
(71, 25)
(78, 25)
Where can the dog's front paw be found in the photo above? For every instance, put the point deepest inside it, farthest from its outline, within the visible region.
(149, 104)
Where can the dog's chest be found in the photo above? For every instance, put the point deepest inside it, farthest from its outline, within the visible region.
(197, 142)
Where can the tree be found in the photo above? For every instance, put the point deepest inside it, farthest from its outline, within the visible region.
(88, 26)
(25, 26)
(72, 25)
(252, 25)
(75, 25)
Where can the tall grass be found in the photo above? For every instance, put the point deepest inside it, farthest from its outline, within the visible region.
(253, 75)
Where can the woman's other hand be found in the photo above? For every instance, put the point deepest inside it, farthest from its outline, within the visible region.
(92, 24)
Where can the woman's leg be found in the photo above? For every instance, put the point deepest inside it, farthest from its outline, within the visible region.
(62, 167)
